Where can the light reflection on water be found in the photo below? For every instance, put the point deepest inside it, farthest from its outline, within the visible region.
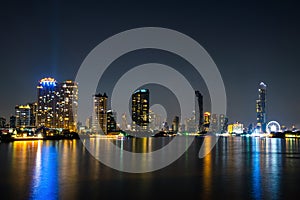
(238, 167)
(45, 183)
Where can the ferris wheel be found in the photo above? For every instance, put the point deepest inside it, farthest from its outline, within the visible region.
(273, 126)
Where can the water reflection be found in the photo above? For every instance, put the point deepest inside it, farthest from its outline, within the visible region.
(207, 167)
(45, 175)
(256, 173)
(237, 168)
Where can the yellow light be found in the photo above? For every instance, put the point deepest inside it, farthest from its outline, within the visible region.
(47, 79)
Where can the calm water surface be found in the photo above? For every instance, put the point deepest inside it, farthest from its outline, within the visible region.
(236, 168)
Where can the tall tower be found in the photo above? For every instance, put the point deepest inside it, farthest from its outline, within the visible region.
(100, 112)
(199, 110)
(261, 107)
(140, 110)
(68, 105)
(47, 103)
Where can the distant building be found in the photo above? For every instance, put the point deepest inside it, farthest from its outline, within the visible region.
(175, 124)
(190, 124)
(206, 122)
(214, 128)
(124, 123)
(12, 121)
(23, 116)
(155, 121)
(261, 107)
(165, 126)
(236, 128)
(140, 110)
(88, 122)
(67, 105)
(33, 113)
(2, 122)
(111, 121)
(199, 110)
(47, 107)
(100, 112)
(223, 123)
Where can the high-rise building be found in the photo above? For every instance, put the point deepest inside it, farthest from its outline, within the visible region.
(175, 124)
(100, 113)
(206, 122)
(190, 124)
(214, 123)
(155, 122)
(33, 113)
(111, 121)
(47, 105)
(12, 121)
(67, 105)
(223, 123)
(2, 122)
(23, 115)
(57, 104)
(199, 110)
(140, 110)
(261, 107)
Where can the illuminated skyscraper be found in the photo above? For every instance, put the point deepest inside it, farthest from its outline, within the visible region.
(100, 112)
(261, 107)
(67, 105)
(47, 108)
(140, 110)
(199, 110)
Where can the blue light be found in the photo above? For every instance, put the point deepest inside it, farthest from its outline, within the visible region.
(48, 84)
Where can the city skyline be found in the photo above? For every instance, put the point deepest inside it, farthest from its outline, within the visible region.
(249, 43)
(57, 100)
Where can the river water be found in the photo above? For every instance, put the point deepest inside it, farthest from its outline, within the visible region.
(236, 168)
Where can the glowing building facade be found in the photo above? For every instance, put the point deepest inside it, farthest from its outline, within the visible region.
(47, 104)
(23, 116)
(57, 104)
(99, 118)
(140, 110)
(67, 105)
(206, 122)
(236, 128)
(261, 108)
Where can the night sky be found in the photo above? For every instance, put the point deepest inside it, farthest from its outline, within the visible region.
(250, 42)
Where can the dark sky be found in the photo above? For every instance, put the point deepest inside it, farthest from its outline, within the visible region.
(250, 41)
